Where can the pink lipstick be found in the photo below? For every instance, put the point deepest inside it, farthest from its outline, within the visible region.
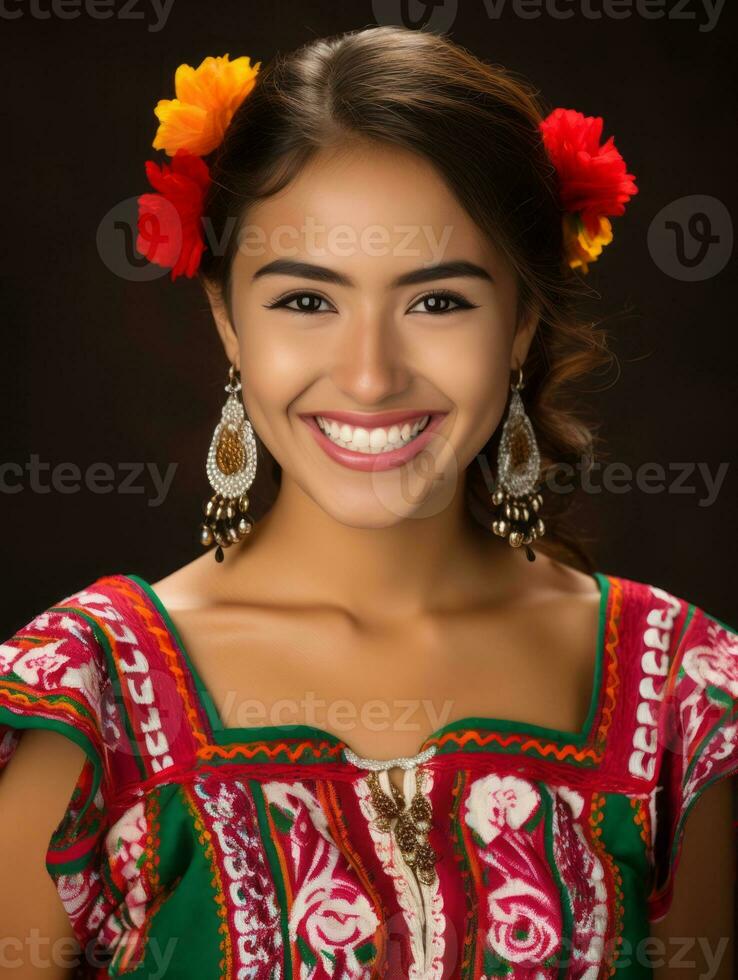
(374, 462)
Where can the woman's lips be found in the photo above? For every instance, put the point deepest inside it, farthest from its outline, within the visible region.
(373, 462)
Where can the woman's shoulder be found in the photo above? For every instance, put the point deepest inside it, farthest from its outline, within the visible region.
(66, 630)
(99, 666)
(676, 668)
(660, 607)
(671, 649)
(58, 647)
(55, 670)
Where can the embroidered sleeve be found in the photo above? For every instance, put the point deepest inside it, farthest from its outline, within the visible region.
(52, 676)
(699, 736)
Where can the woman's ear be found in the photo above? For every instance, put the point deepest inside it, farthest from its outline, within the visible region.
(226, 331)
(524, 333)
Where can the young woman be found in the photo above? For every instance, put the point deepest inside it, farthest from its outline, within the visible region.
(402, 728)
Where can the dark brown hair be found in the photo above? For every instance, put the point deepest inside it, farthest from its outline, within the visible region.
(478, 125)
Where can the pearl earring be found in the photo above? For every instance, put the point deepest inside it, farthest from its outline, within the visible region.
(231, 468)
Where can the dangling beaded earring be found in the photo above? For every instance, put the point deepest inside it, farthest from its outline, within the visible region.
(516, 495)
(231, 468)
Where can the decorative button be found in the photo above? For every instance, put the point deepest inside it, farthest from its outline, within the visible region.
(411, 824)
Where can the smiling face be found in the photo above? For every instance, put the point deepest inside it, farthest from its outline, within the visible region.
(365, 295)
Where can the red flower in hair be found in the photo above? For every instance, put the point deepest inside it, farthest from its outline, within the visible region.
(170, 229)
(593, 179)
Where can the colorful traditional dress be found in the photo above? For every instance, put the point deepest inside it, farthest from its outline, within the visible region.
(192, 850)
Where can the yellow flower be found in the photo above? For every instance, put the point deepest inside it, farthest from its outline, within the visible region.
(581, 247)
(207, 97)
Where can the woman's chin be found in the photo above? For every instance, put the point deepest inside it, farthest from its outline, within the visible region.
(381, 507)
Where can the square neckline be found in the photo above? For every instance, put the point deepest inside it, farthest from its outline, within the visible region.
(226, 736)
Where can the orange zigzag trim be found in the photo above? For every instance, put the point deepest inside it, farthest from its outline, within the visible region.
(545, 748)
(612, 684)
(249, 750)
(20, 696)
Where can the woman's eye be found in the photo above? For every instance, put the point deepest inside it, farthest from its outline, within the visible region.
(436, 302)
(306, 303)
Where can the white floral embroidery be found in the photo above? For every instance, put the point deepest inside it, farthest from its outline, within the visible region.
(88, 679)
(728, 742)
(495, 801)
(330, 907)
(124, 842)
(521, 929)
(257, 939)
(657, 638)
(32, 666)
(46, 666)
(574, 799)
(714, 663)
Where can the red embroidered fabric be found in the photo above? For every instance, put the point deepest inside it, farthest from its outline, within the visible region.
(206, 851)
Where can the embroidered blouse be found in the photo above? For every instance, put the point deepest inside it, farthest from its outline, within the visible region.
(196, 851)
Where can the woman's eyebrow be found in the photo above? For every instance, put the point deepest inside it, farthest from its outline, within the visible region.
(321, 273)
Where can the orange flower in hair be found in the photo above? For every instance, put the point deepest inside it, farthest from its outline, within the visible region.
(170, 228)
(207, 97)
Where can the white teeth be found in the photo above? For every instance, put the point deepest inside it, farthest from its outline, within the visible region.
(371, 441)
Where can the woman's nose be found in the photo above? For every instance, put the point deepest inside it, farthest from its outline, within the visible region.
(371, 362)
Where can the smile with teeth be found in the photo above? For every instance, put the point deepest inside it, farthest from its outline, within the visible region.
(371, 441)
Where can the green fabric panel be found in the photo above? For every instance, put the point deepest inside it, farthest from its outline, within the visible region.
(183, 938)
(621, 836)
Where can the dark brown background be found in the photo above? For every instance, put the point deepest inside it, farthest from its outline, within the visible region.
(99, 367)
